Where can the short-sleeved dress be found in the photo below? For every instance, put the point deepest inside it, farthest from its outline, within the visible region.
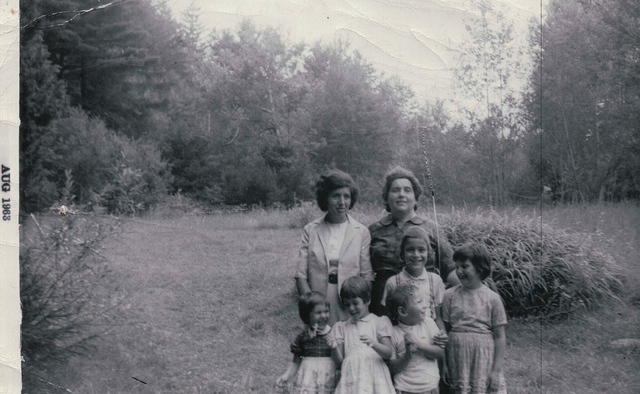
(429, 285)
(363, 370)
(317, 370)
(473, 314)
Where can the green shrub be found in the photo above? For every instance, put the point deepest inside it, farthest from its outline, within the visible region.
(124, 175)
(303, 214)
(177, 205)
(195, 167)
(139, 180)
(61, 267)
(538, 270)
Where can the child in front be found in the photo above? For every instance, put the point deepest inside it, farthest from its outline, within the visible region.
(414, 364)
(312, 369)
(475, 319)
(362, 343)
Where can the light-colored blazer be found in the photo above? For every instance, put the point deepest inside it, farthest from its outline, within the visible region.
(354, 254)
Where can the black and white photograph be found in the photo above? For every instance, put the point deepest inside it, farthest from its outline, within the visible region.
(319, 197)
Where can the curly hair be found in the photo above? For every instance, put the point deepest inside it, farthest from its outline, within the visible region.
(478, 255)
(356, 287)
(400, 173)
(332, 180)
(307, 302)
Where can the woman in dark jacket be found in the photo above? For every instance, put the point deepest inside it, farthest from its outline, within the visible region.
(400, 195)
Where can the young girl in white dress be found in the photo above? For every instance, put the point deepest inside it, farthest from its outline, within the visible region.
(312, 369)
(362, 343)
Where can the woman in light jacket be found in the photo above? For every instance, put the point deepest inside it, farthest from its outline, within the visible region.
(335, 246)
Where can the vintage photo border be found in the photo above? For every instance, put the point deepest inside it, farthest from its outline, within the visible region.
(10, 315)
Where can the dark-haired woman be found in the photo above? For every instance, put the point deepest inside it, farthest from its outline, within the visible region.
(334, 246)
(400, 195)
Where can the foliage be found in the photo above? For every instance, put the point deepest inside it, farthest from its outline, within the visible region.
(119, 63)
(140, 179)
(539, 270)
(245, 116)
(42, 99)
(60, 265)
(490, 65)
(108, 169)
(584, 138)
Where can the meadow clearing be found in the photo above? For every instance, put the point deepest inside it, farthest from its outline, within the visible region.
(210, 308)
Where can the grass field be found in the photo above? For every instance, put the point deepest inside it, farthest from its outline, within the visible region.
(210, 309)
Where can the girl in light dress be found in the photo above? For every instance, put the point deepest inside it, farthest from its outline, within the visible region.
(362, 343)
(475, 319)
(312, 369)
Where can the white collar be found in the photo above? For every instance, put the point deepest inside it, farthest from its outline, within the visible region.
(324, 331)
(368, 317)
(423, 276)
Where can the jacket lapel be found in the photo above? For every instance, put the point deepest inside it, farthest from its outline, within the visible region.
(323, 235)
(349, 235)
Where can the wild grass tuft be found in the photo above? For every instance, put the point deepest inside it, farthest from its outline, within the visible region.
(538, 270)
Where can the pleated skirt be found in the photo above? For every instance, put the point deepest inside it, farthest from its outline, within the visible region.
(469, 363)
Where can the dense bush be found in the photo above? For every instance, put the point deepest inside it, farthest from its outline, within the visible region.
(538, 270)
(61, 267)
(122, 174)
(138, 181)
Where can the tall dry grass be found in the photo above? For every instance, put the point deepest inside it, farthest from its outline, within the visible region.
(538, 269)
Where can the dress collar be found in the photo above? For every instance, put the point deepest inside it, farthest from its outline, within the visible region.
(324, 331)
(423, 276)
(324, 220)
(366, 318)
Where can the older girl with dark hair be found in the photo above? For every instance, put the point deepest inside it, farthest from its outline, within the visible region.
(475, 319)
(400, 195)
(334, 246)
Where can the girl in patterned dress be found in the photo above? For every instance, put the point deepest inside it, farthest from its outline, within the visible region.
(312, 369)
(362, 343)
(475, 319)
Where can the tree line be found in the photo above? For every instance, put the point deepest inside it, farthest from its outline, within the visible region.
(124, 104)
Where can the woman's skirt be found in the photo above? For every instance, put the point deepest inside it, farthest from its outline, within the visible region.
(316, 375)
(469, 362)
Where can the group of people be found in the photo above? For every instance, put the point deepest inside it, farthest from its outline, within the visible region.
(391, 308)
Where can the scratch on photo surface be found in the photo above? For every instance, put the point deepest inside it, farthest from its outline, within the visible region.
(139, 380)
